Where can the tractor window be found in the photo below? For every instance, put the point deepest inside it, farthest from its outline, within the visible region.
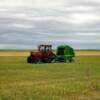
(42, 48)
(45, 48)
(60, 51)
(48, 48)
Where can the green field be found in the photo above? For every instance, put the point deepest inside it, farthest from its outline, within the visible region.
(79, 80)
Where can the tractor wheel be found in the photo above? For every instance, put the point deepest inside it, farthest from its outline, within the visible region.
(30, 59)
(37, 60)
(33, 60)
(52, 58)
(47, 60)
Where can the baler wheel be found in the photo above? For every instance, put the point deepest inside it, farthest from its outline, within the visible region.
(71, 60)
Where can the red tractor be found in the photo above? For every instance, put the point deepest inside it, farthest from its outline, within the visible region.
(44, 54)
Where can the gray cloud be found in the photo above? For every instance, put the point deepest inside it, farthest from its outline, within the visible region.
(30, 22)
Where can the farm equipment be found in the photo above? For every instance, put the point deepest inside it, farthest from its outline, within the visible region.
(45, 54)
(65, 53)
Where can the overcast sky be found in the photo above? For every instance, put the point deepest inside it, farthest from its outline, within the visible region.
(28, 23)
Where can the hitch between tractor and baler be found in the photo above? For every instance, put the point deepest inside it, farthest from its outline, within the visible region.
(45, 54)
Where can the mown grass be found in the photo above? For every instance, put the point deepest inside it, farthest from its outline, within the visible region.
(79, 80)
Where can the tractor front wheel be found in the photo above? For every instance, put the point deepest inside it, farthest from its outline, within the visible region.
(37, 60)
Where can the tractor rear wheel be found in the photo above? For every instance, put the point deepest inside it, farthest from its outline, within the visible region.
(51, 58)
(33, 60)
(30, 59)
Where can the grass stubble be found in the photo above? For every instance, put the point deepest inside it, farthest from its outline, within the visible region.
(79, 80)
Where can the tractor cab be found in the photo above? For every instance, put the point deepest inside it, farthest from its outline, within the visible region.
(44, 54)
(45, 48)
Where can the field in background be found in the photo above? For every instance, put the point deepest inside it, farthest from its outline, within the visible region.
(79, 80)
(27, 52)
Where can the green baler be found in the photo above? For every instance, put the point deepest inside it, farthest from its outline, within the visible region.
(65, 53)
